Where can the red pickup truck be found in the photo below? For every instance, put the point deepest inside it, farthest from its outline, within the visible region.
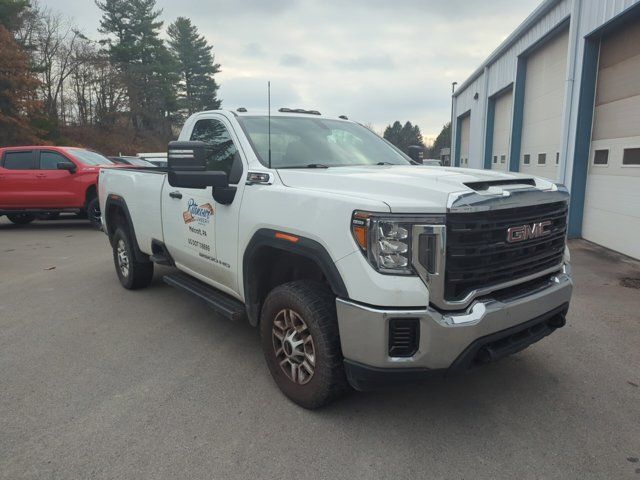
(46, 181)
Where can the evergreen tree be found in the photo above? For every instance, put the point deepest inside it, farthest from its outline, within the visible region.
(12, 13)
(443, 140)
(197, 89)
(405, 136)
(146, 65)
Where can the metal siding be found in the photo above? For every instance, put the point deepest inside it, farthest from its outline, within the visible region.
(499, 75)
(463, 104)
(503, 71)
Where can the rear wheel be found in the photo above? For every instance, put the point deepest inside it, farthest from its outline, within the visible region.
(301, 343)
(132, 273)
(21, 218)
(93, 213)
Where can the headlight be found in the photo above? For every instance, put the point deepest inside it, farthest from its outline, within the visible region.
(387, 241)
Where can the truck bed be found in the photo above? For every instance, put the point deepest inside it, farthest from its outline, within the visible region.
(141, 190)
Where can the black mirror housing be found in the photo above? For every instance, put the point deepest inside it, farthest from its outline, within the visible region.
(187, 166)
(187, 156)
(68, 166)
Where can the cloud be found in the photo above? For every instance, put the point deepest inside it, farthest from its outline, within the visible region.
(253, 50)
(374, 60)
(292, 60)
(366, 62)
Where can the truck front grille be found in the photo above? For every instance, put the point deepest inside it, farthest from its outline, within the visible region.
(479, 255)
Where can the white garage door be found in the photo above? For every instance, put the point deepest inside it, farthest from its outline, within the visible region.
(465, 129)
(612, 202)
(502, 131)
(543, 103)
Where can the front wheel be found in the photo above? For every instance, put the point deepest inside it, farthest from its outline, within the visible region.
(21, 218)
(132, 273)
(301, 343)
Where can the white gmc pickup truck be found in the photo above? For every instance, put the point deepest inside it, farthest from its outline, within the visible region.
(359, 267)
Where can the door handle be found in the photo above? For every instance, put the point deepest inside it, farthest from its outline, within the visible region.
(176, 194)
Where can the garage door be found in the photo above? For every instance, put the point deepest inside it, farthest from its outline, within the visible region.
(465, 129)
(612, 202)
(543, 104)
(501, 131)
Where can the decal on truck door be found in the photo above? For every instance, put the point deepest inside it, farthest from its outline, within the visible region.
(197, 213)
(197, 219)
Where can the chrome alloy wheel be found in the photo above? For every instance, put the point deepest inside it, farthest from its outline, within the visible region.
(293, 346)
(123, 258)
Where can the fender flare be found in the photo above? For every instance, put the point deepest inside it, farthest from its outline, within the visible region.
(305, 247)
(119, 202)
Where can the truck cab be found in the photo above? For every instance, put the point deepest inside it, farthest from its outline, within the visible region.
(359, 267)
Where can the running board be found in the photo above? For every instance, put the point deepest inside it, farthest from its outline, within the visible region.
(222, 303)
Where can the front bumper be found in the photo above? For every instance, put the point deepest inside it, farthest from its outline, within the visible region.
(489, 329)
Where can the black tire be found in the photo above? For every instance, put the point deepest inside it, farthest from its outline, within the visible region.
(21, 218)
(137, 274)
(48, 215)
(315, 305)
(93, 213)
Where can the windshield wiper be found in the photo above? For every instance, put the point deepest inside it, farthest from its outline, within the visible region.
(310, 165)
(385, 163)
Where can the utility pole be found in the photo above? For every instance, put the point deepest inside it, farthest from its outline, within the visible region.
(453, 89)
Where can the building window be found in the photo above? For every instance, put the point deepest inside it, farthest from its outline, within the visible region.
(557, 158)
(542, 159)
(601, 157)
(503, 158)
(495, 159)
(527, 159)
(631, 156)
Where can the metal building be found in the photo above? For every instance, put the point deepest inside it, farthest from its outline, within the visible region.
(560, 98)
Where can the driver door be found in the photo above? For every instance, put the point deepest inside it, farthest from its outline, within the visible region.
(190, 215)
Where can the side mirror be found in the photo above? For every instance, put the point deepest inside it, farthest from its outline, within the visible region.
(68, 166)
(187, 166)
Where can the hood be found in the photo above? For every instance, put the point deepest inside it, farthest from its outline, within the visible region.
(404, 188)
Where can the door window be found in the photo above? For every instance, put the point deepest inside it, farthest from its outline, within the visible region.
(50, 160)
(223, 151)
(19, 161)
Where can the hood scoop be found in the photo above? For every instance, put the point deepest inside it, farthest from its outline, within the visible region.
(485, 186)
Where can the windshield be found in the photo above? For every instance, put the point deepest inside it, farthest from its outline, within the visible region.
(89, 158)
(301, 142)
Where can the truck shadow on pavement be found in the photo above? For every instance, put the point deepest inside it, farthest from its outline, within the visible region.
(64, 223)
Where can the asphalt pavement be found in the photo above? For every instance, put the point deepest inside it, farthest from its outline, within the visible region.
(97, 382)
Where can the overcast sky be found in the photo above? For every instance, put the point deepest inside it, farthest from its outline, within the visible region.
(375, 61)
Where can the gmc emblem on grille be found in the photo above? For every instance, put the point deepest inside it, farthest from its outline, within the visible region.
(527, 232)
